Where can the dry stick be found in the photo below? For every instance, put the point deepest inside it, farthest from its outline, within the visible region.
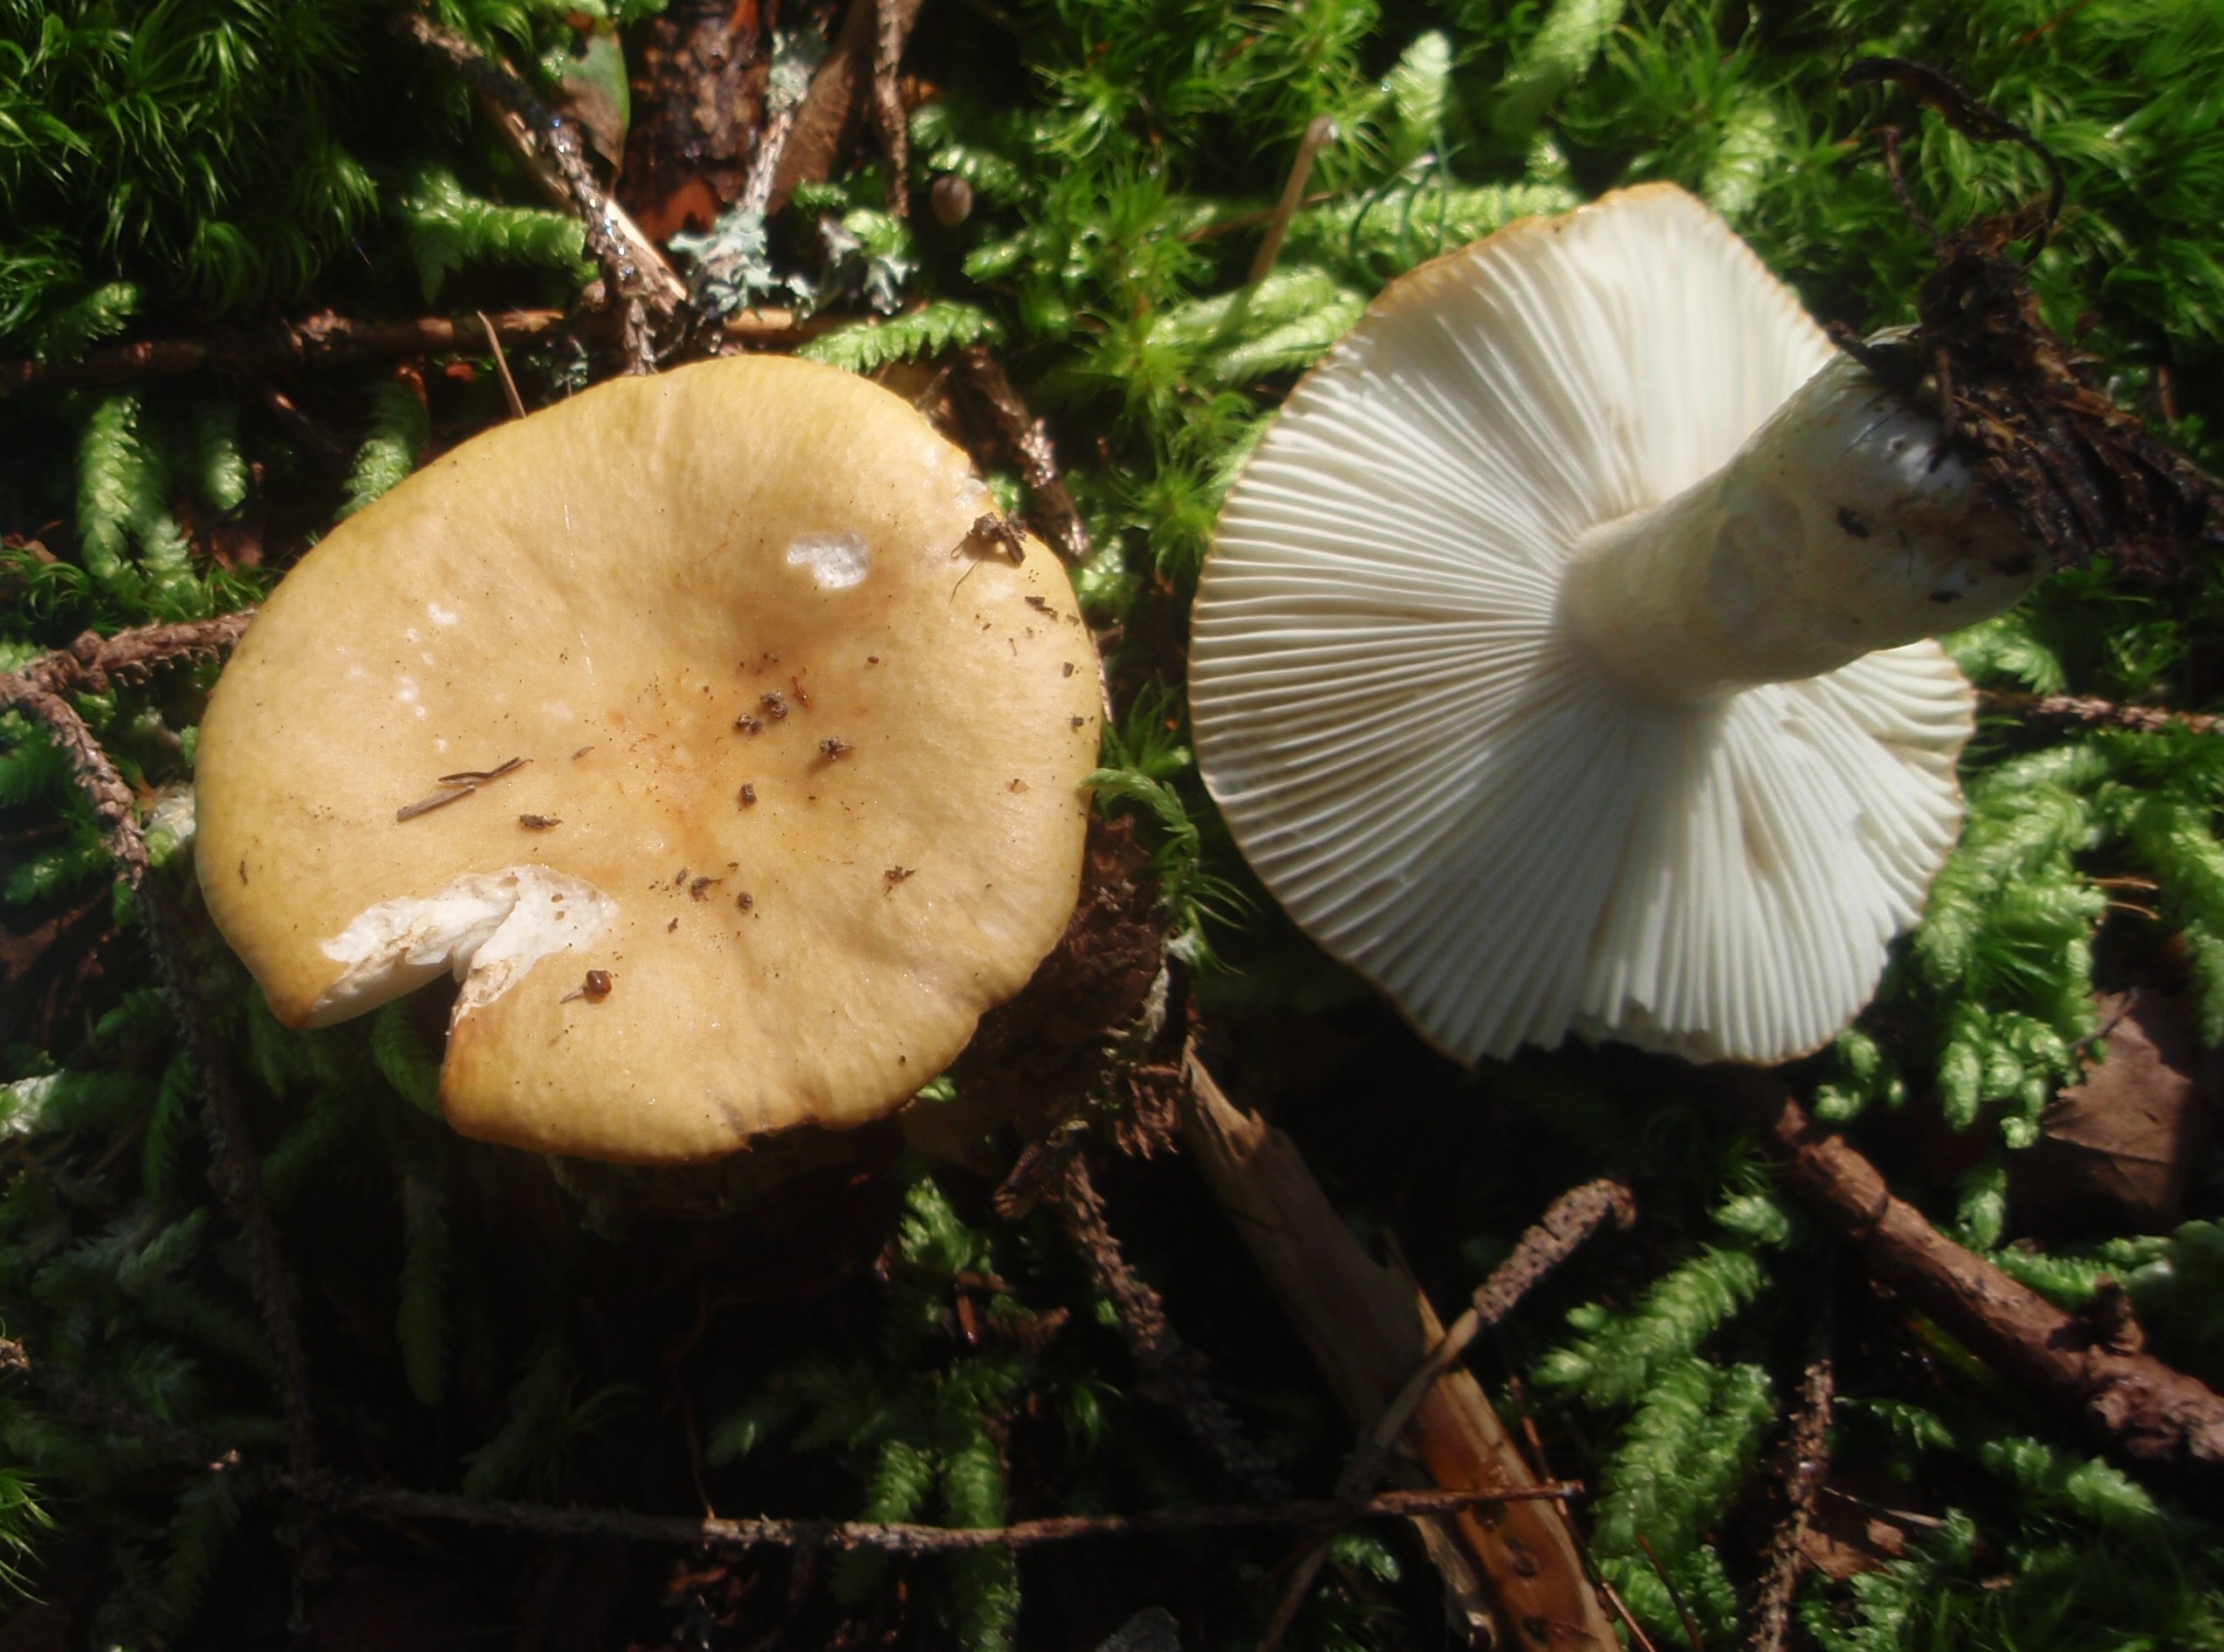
(87, 664)
(502, 366)
(1638, 1638)
(1573, 1218)
(1319, 133)
(549, 146)
(1805, 1458)
(1367, 1328)
(65, 1393)
(1029, 438)
(327, 341)
(1173, 1372)
(893, 19)
(835, 105)
(771, 143)
(232, 1163)
(1675, 1594)
(2154, 1420)
(336, 1495)
(2084, 711)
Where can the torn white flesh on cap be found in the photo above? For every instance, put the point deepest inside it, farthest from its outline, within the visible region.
(487, 929)
(1520, 826)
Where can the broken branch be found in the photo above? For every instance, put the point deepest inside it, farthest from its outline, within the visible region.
(834, 106)
(1574, 1216)
(2156, 1421)
(1367, 1328)
(327, 341)
(1802, 1465)
(233, 1167)
(551, 150)
(1172, 1371)
(342, 1496)
(2079, 710)
(1029, 439)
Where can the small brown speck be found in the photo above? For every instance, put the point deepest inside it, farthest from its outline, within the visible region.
(582, 752)
(775, 702)
(673, 925)
(1069, 671)
(243, 868)
(697, 889)
(895, 875)
(749, 794)
(1041, 605)
(744, 901)
(801, 698)
(1018, 785)
(872, 659)
(1079, 720)
(538, 822)
(747, 724)
(679, 877)
(833, 749)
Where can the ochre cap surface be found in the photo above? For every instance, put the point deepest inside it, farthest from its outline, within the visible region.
(799, 794)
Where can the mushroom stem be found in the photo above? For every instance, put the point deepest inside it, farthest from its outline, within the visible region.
(1843, 526)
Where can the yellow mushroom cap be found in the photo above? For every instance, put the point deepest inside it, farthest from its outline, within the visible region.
(613, 591)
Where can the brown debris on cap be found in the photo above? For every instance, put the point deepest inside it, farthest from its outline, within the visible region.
(574, 589)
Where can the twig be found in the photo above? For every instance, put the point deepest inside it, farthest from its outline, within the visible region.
(1236, 222)
(88, 1404)
(1805, 1460)
(1030, 440)
(88, 663)
(1638, 1638)
(339, 1496)
(232, 1165)
(2157, 1422)
(1573, 1216)
(1173, 1372)
(1319, 133)
(327, 341)
(116, 811)
(836, 104)
(771, 143)
(1366, 1326)
(551, 149)
(893, 21)
(502, 366)
(2086, 712)
(1675, 1594)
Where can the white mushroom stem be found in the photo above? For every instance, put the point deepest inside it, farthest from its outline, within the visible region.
(1841, 527)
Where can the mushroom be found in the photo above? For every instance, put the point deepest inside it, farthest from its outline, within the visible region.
(488, 726)
(1562, 660)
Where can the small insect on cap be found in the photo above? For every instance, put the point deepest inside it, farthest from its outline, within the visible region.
(620, 712)
(1557, 662)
